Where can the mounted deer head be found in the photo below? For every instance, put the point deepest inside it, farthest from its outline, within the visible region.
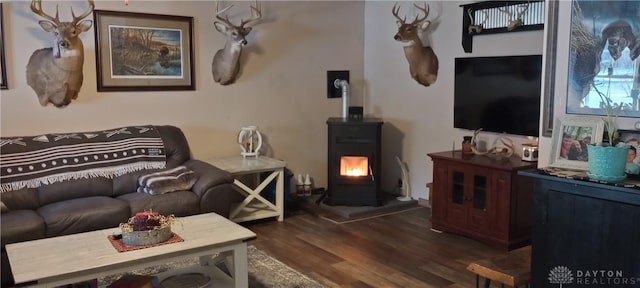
(225, 64)
(476, 28)
(517, 22)
(423, 62)
(55, 73)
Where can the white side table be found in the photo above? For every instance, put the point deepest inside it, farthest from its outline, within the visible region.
(254, 206)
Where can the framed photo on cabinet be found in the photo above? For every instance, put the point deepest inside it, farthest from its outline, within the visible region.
(571, 135)
(632, 138)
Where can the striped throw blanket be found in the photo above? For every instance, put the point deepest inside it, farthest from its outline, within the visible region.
(50, 158)
(176, 179)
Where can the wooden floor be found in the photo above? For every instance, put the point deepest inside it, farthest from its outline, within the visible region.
(396, 250)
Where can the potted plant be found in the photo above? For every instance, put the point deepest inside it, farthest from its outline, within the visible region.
(607, 161)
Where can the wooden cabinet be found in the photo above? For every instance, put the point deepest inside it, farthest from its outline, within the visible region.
(585, 227)
(482, 197)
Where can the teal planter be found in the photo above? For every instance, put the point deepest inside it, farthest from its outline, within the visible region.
(607, 163)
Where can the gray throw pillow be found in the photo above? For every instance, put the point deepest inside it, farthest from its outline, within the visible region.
(176, 179)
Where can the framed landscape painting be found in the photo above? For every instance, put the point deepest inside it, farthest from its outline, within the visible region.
(143, 52)
(571, 135)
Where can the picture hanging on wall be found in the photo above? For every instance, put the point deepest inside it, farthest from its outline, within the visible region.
(595, 53)
(604, 31)
(3, 63)
(143, 52)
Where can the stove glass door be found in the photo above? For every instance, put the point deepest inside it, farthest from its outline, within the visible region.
(354, 166)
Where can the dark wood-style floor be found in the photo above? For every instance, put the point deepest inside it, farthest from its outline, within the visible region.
(396, 250)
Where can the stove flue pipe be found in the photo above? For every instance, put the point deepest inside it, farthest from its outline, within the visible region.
(344, 85)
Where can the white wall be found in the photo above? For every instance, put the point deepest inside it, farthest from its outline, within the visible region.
(418, 119)
(282, 87)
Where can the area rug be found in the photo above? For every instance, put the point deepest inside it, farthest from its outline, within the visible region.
(347, 214)
(264, 271)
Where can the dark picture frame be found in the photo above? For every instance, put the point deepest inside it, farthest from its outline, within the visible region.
(605, 31)
(3, 64)
(570, 136)
(549, 68)
(572, 18)
(143, 52)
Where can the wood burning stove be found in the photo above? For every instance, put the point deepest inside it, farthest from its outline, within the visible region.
(354, 162)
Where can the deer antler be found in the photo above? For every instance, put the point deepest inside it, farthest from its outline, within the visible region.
(470, 16)
(85, 14)
(514, 23)
(417, 20)
(526, 7)
(506, 10)
(395, 11)
(258, 14)
(486, 17)
(502, 146)
(36, 7)
(474, 143)
(218, 13)
(476, 28)
(426, 14)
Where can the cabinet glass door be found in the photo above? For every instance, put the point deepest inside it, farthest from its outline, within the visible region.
(457, 187)
(479, 192)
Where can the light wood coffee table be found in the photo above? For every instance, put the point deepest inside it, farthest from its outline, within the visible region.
(73, 258)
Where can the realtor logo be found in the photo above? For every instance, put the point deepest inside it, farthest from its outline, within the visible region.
(560, 275)
(592, 277)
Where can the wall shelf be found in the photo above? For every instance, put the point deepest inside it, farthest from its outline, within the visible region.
(496, 21)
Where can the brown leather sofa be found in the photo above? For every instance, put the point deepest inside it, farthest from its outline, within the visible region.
(82, 205)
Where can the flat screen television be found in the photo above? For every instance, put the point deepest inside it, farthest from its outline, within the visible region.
(498, 94)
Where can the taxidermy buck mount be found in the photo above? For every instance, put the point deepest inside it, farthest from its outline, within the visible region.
(55, 73)
(226, 62)
(478, 27)
(517, 21)
(423, 62)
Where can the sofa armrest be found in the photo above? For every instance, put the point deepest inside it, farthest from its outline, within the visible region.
(209, 176)
(214, 187)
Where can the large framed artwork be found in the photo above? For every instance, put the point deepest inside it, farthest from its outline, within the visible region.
(3, 64)
(143, 52)
(596, 52)
(571, 135)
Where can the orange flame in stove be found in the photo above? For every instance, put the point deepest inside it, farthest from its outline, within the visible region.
(356, 172)
(354, 166)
